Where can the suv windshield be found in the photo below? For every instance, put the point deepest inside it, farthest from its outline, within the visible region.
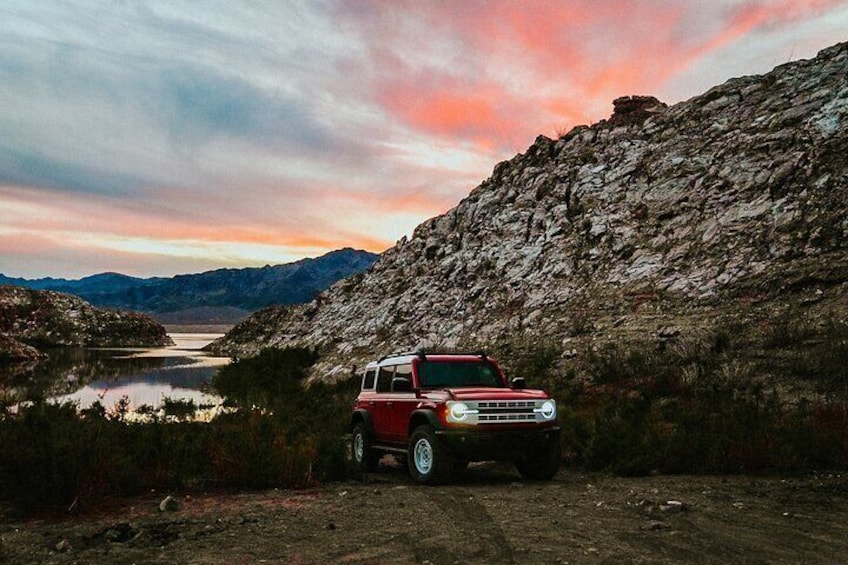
(438, 374)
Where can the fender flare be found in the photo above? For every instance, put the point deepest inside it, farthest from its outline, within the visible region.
(363, 416)
(424, 413)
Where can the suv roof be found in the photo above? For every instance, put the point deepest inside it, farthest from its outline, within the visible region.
(408, 357)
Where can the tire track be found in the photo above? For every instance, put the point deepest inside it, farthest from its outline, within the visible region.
(473, 522)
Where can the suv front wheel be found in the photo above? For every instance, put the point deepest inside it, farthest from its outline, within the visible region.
(429, 462)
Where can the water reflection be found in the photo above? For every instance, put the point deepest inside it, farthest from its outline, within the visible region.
(144, 375)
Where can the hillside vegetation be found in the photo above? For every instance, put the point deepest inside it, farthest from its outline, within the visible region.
(44, 319)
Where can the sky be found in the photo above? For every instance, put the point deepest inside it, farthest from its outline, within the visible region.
(161, 137)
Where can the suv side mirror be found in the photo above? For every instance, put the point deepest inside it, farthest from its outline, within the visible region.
(518, 382)
(401, 384)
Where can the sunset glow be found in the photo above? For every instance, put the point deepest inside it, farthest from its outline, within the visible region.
(155, 138)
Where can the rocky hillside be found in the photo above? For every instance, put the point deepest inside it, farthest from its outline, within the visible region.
(13, 351)
(220, 296)
(732, 205)
(40, 318)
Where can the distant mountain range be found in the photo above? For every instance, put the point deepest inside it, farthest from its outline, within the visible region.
(223, 296)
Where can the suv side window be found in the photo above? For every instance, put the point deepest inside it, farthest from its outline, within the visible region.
(368, 380)
(384, 379)
(404, 371)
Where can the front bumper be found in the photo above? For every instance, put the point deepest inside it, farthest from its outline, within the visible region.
(474, 444)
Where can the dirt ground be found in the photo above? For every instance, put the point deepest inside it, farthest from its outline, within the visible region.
(489, 515)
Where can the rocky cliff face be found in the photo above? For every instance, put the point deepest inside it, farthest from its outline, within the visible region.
(661, 220)
(50, 319)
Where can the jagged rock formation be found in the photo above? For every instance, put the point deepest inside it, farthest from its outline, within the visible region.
(41, 318)
(733, 204)
(635, 109)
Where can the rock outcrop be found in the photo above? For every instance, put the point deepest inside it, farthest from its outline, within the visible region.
(629, 110)
(51, 319)
(733, 204)
(13, 351)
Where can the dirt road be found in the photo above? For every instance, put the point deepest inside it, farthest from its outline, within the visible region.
(488, 516)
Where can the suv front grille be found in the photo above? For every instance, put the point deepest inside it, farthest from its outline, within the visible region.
(506, 411)
(501, 404)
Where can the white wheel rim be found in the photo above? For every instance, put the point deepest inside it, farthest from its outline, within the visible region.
(358, 447)
(423, 456)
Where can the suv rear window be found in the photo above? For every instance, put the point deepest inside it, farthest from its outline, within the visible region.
(438, 374)
(368, 381)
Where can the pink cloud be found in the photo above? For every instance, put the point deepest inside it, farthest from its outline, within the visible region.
(496, 73)
(433, 95)
(481, 113)
(35, 256)
(45, 220)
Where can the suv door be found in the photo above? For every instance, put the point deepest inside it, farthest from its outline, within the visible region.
(399, 407)
(379, 404)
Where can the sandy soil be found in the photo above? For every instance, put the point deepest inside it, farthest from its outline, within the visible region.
(489, 515)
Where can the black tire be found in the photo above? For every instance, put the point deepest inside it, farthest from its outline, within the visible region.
(541, 465)
(428, 461)
(364, 457)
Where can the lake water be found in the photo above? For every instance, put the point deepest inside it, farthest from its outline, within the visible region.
(143, 375)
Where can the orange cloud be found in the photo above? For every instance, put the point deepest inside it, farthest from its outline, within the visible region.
(417, 202)
(495, 73)
(518, 63)
(42, 220)
(438, 92)
(482, 113)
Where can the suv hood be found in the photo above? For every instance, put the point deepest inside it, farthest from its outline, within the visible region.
(491, 393)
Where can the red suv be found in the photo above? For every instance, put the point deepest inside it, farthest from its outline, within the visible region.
(441, 411)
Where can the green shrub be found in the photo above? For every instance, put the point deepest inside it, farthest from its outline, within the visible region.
(268, 379)
(251, 450)
(700, 406)
(55, 456)
(312, 419)
(176, 408)
(696, 405)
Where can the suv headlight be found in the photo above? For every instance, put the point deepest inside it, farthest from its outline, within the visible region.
(459, 412)
(547, 410)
